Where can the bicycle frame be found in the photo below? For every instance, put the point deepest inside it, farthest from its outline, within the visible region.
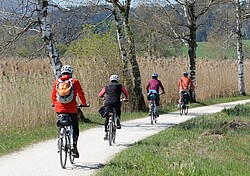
(153, 115)
(182, 104)
(112, 127)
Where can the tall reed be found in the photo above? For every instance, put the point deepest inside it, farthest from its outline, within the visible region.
(25, 87)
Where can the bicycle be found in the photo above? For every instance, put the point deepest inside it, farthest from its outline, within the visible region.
(65, 138)
(112, 125)
(183, 103)
(110, 113)
(153, 112)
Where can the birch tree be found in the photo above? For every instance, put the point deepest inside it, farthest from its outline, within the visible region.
(32, 16)
(242, 13)
(47, 36)
(239, 20)
(127, 48)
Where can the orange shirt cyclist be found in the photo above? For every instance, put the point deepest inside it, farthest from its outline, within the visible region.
(184, 84)
(71, 107)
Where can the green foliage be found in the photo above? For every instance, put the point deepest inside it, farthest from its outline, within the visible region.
(95, 44)
(62, 48)
(22, 52)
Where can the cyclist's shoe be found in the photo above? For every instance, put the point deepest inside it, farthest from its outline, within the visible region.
(75, 152)
(106, 136)
(118, 124)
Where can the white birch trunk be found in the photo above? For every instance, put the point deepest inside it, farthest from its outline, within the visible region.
(139, 100)
(189, 13)
(241, 83)
(50, 47)
(127, 48)
(122, 43)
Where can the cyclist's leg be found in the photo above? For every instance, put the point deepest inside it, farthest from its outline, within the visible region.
(118, 114)
(157, 103)
(106, 123)
(75, 126)
(106, 127)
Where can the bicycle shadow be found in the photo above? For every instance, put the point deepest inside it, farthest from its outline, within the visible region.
(87, 166)
(148, 125)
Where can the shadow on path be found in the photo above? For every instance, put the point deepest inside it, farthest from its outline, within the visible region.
(82, 166)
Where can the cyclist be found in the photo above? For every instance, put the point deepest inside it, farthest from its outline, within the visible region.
(153, 87)
(112, 92)
(184, 84)
(71, 107)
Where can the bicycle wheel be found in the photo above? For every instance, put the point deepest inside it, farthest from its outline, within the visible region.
(63, 148)
(152, 115)
(181, 109)
(186, 110)
(110, 133)
(155, 114)
(114, 135)
(71, 157)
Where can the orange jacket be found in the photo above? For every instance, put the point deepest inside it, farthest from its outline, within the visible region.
(184, 83)
(71, 106)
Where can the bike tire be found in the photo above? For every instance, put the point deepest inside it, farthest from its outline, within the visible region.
(71, 157)
(155, 115)
(63, 148)
(186, 110)
(181, 109)
(114, 135)
(110, 133)
(152, 115)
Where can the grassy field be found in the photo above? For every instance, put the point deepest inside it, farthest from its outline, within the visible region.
(215, 51)
(217, 144)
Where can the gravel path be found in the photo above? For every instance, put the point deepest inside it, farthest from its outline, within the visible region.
(42, 159)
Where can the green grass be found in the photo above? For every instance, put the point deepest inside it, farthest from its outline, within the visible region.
(25, 137)
(204, 50)
(191, 148)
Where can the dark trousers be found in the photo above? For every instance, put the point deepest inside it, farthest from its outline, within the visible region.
(75, 127)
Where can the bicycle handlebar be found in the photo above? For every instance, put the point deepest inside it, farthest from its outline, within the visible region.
(78, 105)
(124, 100)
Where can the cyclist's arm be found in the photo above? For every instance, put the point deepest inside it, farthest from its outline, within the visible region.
(180, 84)
(80, 92)
(191, 84)
(147, 87)
(101, 94)
(162, 88)
(125, 92)
(53, 93)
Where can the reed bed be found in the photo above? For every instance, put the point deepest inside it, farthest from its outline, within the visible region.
(25, 87)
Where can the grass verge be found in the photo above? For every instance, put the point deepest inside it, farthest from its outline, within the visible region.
(216, 144)
(24, 137)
